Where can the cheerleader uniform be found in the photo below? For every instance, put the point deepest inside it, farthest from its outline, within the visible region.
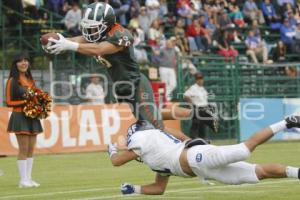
(19, 123)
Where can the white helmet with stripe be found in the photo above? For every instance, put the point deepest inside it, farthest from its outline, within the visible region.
(97, 20)
(140, 125)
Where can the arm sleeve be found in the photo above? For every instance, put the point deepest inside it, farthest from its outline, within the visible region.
(247, 42)
(188, 93)
(67, 19)
(264, 10)
(255, 7)
(273, 10)
(8, 92)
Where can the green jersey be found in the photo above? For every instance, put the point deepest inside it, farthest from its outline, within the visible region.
(121, 66)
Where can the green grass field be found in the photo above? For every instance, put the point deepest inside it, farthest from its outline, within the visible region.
(86, 176)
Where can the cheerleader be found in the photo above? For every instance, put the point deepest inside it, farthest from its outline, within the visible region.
(25, 128)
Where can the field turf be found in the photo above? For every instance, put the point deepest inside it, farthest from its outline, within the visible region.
(84, 176)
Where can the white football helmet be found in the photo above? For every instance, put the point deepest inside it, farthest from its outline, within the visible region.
(140, 125)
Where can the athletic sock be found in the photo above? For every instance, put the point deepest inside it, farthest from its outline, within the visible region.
(29, 162)
(22, 166)
(292, 172)
(279, 126)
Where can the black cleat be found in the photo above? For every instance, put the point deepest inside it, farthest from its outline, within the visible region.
(209, 117)
(299, 173)
(293, 121)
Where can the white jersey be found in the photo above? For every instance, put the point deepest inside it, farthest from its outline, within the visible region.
(95, 93)
(198, 95)
(159, 150)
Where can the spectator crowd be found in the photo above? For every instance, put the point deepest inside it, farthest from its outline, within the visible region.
(163, 29)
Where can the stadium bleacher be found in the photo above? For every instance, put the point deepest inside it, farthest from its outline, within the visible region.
(228, 81)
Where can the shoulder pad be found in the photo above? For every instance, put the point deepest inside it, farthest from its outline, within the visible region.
(120, 36)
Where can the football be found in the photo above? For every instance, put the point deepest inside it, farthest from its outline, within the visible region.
(44, 38)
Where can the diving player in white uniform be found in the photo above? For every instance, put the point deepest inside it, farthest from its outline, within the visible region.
(169, 155)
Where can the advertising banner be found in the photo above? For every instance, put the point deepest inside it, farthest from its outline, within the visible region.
(256, 114)
(78, 128)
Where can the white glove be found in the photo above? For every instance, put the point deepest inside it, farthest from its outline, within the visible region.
(61, 45)
(44, 47)
(112, 149)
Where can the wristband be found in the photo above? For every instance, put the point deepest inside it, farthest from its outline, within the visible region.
(73, 46)
(137, 189)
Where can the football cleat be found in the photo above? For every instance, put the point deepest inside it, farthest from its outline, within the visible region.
(207, 115)
(127, 188)
(205, 181)
(293, 121)
(25, 184)
(34, 184)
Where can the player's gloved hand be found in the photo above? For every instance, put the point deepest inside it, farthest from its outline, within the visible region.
(112, 149)
(127, 188)
(62, 44)
(44, 47)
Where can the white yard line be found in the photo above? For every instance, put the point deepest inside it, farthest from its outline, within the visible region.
(178, 182)
(207, 189)
(54, 193)
(158, 197)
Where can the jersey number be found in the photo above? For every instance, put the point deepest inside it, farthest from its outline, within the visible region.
(124, 41)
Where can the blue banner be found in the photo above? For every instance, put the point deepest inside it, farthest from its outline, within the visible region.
(256, 114)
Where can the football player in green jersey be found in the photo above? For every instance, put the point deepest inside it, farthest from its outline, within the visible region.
(111, 45)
